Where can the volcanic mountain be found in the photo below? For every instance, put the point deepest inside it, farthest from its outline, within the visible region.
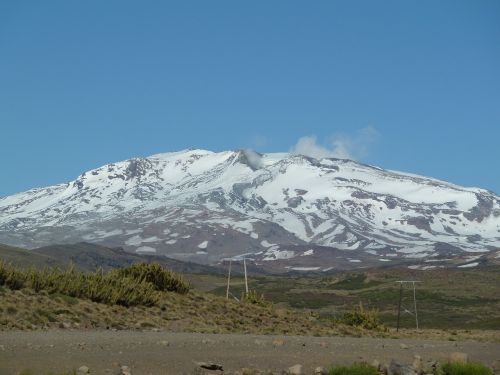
(281, 210)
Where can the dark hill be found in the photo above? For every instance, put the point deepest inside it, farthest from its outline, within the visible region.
(89, 257)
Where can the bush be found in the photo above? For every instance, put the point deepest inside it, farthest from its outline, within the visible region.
(360, 317)
(11, 277)
(356, 369)
(463, 369)
(254, 298)
(161, 278)
(136, 285)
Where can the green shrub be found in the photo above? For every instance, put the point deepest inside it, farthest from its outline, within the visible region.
(10, 277)
(136, 285)
(154, 273)
(356, 369)
(30, 372)
(463, 369)
(360, 317)
(255, 299)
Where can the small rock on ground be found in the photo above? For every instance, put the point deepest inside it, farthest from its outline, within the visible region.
(376, 364)
(295, 370)
(279, 342)
(417, 364)
(396, 368)
(125, 370)
(210, 366)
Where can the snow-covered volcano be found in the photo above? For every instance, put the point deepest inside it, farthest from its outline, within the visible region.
(295, 210)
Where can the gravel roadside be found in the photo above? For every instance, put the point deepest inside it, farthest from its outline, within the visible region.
(103, 352)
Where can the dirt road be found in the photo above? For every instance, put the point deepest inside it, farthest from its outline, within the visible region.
(176, 353)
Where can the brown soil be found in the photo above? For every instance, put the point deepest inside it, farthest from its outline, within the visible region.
(59, 351)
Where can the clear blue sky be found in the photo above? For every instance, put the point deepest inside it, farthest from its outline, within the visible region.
(85, 83)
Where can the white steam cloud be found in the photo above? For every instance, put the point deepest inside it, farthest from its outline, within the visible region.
(340, 146)
(308, 146)
(253, 158)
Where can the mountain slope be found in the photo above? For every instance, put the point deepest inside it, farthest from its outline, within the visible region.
(25, 258)
(203, 206)
(90, 257)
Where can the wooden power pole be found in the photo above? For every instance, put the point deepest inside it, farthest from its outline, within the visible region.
(228, 279)
(246, 279)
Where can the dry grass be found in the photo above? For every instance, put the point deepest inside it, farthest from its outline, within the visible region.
(33, 300)
(139, 284)
(194, 312)
(142, 296)
(446, 298)
(361, 317)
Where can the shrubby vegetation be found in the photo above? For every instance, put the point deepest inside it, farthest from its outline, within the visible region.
(463, 369)
(356, 369)
(255, 299)
(29, 372)
(139, 284)
(161, 278)
(361, 317)
(446, 369)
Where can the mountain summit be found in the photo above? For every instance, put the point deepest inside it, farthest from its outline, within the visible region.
(280, 209)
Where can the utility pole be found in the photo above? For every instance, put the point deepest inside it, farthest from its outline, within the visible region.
(415, 304)
(246, 279)
(228, 279)
(399, 305)
(229, 276)
(413, 282)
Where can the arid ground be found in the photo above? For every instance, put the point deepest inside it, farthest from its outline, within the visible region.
(103, 352)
